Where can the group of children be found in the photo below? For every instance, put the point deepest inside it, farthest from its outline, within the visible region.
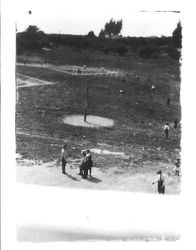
(79, 70)
(87, 163)
(85, 166)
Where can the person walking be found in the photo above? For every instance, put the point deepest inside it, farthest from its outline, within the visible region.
(177, 167)
(161, 182)
(166, 130)
(64, 157)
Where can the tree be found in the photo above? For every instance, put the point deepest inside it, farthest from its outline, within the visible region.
(177, 36)
(31, 39)
(102, 33)
(33, 29)
(91, 34)
(112, 28)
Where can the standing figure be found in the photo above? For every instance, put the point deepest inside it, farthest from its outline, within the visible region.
(84, 67)
(177, 167)
(89, 161)
(102, 69)
(83, 166)
(64, 157)
(168, 102)
(153, 89)
(137, 78)
(175, 123)
(166, 130)
(161, 182)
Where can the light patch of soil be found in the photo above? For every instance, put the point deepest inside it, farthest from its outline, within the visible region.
(91, 121)
(107, 152)
(73, 70)
(27, 81)
(50, 173)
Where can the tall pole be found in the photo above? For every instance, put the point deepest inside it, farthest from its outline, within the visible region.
(86, 102)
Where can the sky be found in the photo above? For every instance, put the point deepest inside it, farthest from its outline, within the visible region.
(82, 16)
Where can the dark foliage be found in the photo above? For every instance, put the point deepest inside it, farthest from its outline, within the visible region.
(173, 52)
(91, 34)
(33, 39)
(115, 47)
(177, 36)
(113, 28)
(149, 51)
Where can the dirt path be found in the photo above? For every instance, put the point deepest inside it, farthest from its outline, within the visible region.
(43, 136)
(72, 70)
(112, 179)
(27, 81)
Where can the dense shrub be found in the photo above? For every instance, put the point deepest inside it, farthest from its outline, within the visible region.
(33, 39)
(121, 49)
(115, 47)
(173, 52)
(149, 51)
(91, 34)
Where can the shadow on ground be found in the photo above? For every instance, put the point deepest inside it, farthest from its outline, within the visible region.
(93, 179)
(71, 177)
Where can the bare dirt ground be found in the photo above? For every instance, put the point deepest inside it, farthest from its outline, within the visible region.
(73, 70)
(29, 171)
(27, 81)
(111, 177)
(92, 121)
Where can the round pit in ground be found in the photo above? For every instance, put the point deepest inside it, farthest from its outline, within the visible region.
(92, 121)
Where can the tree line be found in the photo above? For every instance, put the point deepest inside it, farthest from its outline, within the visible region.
(109, 40)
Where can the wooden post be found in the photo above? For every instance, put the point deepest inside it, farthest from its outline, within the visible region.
(86, 102)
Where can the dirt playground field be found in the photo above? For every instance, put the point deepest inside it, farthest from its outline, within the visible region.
(128, 152)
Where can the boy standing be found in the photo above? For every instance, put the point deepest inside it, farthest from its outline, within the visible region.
(161, 182)
(89, 161)
(64, 157)
(166, 130)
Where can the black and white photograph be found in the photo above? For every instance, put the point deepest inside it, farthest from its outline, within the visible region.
(98, 121)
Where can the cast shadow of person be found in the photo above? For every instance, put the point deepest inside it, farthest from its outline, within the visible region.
(93, 179)
(71, 177)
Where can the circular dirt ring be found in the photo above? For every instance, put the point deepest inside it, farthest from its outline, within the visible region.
(92, 121)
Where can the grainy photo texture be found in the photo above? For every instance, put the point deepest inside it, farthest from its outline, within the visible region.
(98, 104)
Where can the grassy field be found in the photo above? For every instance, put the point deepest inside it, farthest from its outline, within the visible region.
(139, 116)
